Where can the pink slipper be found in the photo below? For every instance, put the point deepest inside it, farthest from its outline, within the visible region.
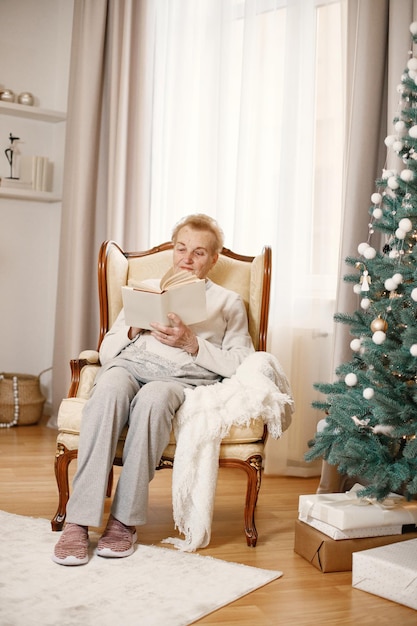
(117, 540)
(72, 547)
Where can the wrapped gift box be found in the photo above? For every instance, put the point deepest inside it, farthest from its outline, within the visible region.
(328, 555)
(389, 571)
(346, 511)
(357, 533)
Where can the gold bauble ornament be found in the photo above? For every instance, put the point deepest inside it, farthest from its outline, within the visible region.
(379, 324)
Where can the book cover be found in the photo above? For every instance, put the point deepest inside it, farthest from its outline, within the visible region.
(36, 172)
(187, 300)
(27, 169)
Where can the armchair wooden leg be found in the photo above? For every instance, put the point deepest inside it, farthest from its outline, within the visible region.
(253, 469)
(110, 483)
(63, 458)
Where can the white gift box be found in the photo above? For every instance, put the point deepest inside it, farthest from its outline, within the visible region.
(354, 533)
(388, 571)
(346, 511)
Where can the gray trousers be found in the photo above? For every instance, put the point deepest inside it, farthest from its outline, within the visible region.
(119, 398)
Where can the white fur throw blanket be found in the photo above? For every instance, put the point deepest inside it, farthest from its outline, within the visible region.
(259, 388)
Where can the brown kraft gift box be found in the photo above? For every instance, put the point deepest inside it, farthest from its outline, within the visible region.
(329, 555)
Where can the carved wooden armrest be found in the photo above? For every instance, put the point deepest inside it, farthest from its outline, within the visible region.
(87, 357)
(91, 356)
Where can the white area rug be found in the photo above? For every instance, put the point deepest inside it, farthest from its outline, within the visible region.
(154, 586)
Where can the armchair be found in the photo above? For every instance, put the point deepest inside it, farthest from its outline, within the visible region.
(244, 446)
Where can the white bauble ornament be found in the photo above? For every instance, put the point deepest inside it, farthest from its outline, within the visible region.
(390, 284)
(392, 182)
(362, 247)
(377, 213)
(379, 337)
(357, 288)
(413, 349)
(398, 278)
(365, 304)
(414, 294)
(389, 140)
(413, 28)
(413, 132)
(406, 175)
(369, 253)
(405, 224)
(351, 379)
(397, 146)
(412, 64)
(393, 254)
(400, 125)
(368, 393)
(376, 198)
(355, 345)
(400, 233)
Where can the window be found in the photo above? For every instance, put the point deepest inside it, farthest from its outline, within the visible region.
(247, 126)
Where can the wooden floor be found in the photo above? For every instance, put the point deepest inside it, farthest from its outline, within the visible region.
(303, 596)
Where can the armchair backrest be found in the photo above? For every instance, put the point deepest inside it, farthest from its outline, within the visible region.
(247, 275)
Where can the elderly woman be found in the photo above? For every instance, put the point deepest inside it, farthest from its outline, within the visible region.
(141, 383)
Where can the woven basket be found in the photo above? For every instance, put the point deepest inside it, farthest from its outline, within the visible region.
(21, 400)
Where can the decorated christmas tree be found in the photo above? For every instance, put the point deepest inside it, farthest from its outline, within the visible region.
(371, 408)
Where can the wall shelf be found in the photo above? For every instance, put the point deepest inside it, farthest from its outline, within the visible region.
(36, 114)
(29, 195)
(31, 112)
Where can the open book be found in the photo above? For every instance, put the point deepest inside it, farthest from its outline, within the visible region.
(176, 292)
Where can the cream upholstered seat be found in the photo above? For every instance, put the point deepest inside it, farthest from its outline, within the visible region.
(244, 446)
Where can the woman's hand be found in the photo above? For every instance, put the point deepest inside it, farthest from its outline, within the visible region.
(178, 335)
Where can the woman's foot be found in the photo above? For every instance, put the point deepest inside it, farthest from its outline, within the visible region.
(72, 547)
(117, 540)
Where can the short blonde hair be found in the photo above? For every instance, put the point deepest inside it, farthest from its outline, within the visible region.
(200, 221)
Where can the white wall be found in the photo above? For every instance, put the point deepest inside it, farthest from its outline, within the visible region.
(35, 40)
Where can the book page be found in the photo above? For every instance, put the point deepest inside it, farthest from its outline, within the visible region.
(170, 279)
(150, 284)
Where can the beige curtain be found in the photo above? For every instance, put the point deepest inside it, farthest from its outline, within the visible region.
(76, 286)
(101, 195)
(377, 53)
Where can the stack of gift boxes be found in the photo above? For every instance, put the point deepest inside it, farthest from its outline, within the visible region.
(340, 532)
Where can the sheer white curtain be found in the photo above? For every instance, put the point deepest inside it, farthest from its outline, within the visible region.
(246, 125)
